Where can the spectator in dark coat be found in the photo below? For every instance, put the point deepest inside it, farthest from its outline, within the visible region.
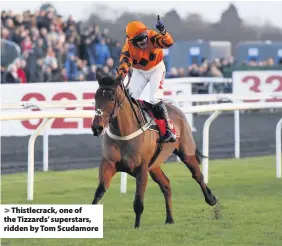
(38, 49)
(12, 75)
(31, 67)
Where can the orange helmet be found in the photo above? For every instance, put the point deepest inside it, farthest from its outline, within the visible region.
(134, 28)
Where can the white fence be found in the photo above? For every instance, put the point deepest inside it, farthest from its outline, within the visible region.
(216, 109)
(176, 100)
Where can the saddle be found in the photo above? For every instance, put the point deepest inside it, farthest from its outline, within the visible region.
(149, 112)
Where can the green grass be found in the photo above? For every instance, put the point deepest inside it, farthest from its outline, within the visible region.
(250, 197)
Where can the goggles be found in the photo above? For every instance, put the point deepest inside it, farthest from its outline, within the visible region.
(141, 37)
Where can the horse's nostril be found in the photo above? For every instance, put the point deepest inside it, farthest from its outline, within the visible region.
(94, 130)
(100, 129)
(97, 130)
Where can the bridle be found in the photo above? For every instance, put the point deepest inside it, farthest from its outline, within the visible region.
(117, 106)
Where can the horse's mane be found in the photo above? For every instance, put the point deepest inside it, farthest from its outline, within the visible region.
(111, 81)
(128, 92)
(107, 81)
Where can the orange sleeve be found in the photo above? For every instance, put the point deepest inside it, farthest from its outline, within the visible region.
(162, 41)
(125, 61)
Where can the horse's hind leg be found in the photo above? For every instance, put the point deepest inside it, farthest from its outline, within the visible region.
(163, 181)
(188, 154)
(192, 163)
(106, 172)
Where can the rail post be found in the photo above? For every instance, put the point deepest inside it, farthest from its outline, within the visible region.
(206, 133)
(123, 182)
(30, 165)
(237, 133)
(278, 148)
(46, 149)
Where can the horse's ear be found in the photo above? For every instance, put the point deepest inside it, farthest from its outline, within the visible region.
(99, 75)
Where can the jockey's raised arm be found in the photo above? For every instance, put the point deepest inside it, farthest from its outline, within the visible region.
(161, 41)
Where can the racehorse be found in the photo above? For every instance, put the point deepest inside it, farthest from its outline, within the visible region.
(131, 147)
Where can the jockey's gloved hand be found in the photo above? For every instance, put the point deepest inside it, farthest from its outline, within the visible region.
(119, 74)
(160, 26)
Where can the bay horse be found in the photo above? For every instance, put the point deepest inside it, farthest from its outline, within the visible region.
(134, 149)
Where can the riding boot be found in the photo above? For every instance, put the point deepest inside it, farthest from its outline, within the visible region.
(169, 135)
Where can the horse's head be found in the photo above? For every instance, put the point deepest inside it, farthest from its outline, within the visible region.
(108, 99)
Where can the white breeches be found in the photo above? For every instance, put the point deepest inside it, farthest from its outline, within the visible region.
(139, 80)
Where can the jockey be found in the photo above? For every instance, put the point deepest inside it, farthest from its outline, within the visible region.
(143, 52)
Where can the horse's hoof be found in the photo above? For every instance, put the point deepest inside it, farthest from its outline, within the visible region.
(211, 201)
(169, 221)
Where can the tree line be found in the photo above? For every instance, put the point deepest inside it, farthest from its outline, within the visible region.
(230, 27)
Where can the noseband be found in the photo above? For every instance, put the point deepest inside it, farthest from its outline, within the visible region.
(117, 102)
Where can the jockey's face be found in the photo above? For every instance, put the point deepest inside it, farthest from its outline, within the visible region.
(142, 40)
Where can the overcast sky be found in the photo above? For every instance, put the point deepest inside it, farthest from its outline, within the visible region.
(254, 12)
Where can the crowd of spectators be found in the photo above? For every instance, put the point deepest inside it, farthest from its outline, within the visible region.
(53, 49)
(215, 68)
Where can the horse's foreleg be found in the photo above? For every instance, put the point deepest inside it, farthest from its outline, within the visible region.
(106, 172)
(192, 163)
(163, 181)
(141, 183)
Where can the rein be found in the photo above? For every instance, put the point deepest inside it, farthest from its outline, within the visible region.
(117, 105)
(130, 101)
(131, 105)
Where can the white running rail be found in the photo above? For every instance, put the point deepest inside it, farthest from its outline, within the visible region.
(91, 102)
(176, 99)
(278, 148)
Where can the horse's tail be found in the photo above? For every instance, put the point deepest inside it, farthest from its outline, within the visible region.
(199, 156)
